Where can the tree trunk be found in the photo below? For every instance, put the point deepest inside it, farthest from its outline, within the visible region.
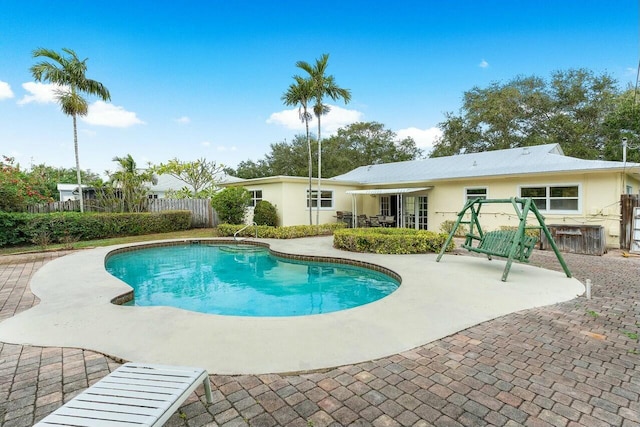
(306, 122)
(319, 173)
(78, 175)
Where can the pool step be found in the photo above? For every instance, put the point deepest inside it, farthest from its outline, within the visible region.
(239, 249)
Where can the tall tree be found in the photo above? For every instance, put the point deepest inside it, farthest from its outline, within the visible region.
(569, 108)
(300, 93)
(323, 85)
(69, 73)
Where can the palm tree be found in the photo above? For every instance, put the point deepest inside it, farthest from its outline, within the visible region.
(323, 85)
(129, 181)
(68, 72)
(300, 93)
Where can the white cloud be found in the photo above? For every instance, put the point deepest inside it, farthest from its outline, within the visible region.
(336, 118)
(104, 114)
(205, 143)
(483, 64)
(5, 90)
(183, 120)
(424, 138)
(40, 93)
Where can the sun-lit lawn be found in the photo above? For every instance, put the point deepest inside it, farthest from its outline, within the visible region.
(194, 233)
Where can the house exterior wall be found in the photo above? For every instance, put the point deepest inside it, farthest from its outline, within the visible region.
(290, 200)
(598, 204)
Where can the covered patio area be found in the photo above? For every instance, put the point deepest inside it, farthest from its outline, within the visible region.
(391, 207)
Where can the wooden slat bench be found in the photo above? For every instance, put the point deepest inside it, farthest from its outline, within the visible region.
(133, 395)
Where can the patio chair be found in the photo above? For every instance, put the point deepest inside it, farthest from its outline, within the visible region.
(135, 394)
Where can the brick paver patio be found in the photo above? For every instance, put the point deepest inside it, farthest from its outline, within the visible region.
(570, 364)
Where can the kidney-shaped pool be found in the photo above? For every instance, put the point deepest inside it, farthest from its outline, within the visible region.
(244, 280)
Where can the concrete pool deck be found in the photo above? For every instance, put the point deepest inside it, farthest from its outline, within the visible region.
(435, 300)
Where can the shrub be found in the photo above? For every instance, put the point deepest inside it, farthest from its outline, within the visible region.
(447, 226)
(268, 232)
(231, 204)
(265, 214)
(531, 232)
(389, 240)
(67, 227)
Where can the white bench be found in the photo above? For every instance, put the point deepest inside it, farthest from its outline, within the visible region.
(135, 394)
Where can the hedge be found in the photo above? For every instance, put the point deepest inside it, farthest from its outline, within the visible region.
(59, 227)
(289, 232)
(390, 240)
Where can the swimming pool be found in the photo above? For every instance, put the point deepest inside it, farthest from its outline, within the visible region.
(244, 280)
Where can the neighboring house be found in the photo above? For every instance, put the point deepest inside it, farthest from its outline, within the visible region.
(70, 192)
(164, 184)
(424, 193)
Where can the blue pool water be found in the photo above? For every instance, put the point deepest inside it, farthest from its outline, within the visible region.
(244, 280)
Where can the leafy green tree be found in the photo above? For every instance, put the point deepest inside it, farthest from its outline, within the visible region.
(570, 108)
(248, 169)
(265, 214)
(358, 144)
(300, 94)
(130, 185)
(623, 122)
(323, 85)
(367, 143)
(69, 73)
(17, 189)
(200, 175)
(231, 204)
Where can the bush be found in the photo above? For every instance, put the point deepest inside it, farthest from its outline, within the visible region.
(447, 226)
(231, 204)
(265, 214)
(531, 232)
(65, 227)
(268, 232)
(389, 240)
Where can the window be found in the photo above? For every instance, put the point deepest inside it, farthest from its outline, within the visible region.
(475, 193)
(256, 196)
(326, 199)
(552, 198)
(385, 205)
(153, 196)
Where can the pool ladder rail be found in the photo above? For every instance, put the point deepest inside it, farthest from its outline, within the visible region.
(235, 235)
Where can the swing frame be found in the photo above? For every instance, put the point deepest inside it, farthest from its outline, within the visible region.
(514, 245)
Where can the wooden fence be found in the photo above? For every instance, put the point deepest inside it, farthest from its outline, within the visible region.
(627, 203)
(202, 214)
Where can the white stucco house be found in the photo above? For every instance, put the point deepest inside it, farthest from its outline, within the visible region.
(424, 193)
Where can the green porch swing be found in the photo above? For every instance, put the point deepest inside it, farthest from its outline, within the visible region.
(511, 244)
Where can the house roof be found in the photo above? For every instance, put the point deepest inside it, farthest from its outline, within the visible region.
(546, 158)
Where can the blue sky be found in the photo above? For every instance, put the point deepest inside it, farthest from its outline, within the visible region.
(204, 79)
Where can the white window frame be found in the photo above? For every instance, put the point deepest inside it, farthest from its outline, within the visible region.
(548, 197)
(254, 197)
(466, 192)
(314, 199)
